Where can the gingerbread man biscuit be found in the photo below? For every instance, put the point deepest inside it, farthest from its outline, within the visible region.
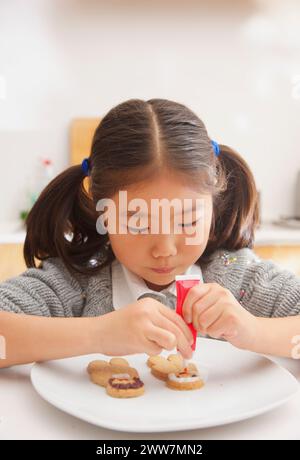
(119, 379)
(124, 386)
(177, 374)
(96, 365)
(187, 379)
(161, 367)
(119, 362)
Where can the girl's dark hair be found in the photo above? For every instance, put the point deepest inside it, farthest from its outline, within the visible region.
(138, 139)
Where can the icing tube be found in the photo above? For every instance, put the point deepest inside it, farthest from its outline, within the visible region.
(183, 284)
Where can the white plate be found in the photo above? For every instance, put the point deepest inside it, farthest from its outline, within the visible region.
(240, 385)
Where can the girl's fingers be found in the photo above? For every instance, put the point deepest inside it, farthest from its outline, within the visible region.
(195, 293)
(178, 321)
(209, 318)
(201, 306)
(183, 345)
(152, 349)
(161, 338)
(220, 329)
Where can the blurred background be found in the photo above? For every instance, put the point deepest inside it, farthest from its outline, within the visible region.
(65, 63)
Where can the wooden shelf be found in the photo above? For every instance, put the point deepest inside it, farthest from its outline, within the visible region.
(81, 135)
(12, 262)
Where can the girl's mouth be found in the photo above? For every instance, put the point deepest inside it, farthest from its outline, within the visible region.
(163, 270)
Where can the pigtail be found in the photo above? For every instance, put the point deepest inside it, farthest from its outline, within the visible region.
(62, 223)
(235, 210)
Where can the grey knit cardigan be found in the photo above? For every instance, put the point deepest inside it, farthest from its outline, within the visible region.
(261, 287)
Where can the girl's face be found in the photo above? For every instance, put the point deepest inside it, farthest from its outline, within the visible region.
(142, 252)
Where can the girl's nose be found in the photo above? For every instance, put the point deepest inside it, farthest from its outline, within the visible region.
(164, 247)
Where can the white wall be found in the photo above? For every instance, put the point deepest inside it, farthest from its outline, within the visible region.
(236, 63)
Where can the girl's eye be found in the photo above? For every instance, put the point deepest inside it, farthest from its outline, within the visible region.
(137, 230)
(141, 230)
(190, 225)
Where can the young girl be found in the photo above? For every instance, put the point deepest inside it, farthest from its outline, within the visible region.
(114, 292)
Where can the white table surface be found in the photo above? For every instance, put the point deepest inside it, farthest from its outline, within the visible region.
(25, 415)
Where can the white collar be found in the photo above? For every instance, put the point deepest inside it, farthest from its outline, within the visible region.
(127, 287)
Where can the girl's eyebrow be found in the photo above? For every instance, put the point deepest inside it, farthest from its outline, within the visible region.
(131, 213)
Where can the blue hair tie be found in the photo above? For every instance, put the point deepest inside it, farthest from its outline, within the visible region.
(85, 166)
(216, 148)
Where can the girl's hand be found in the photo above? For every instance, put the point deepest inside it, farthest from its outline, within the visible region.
(214, 310)
(145, 326)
